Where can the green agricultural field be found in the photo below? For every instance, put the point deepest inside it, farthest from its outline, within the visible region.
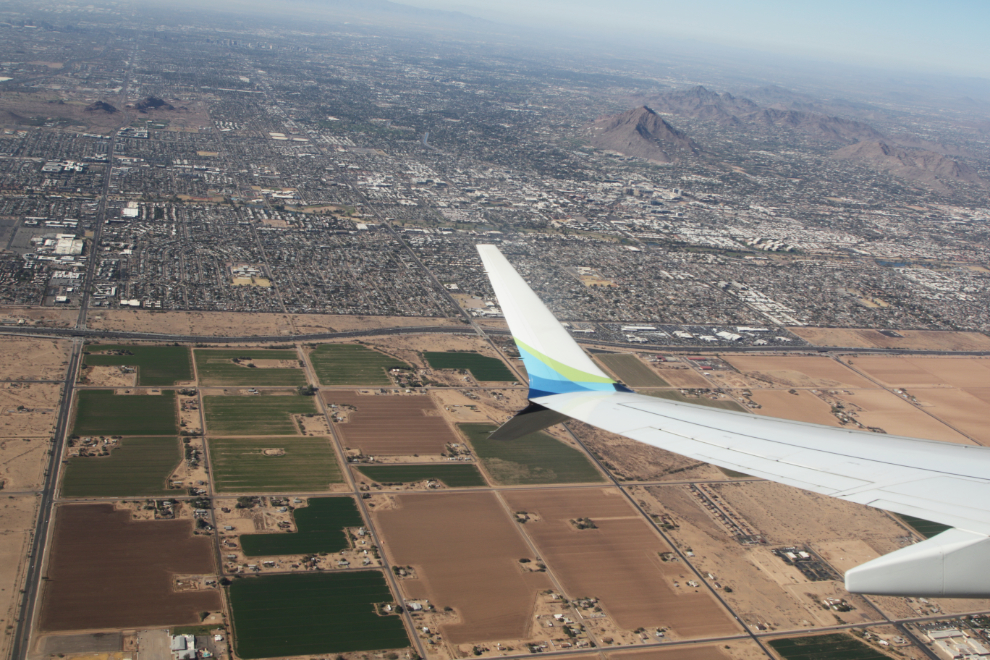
(352, 364)
(313, 614)
(674, 395)
(241, 466)
(156, 365)
(139, 466)
(926, 528)
(483, 368)
(631, 370)
(454, 476)
(533, 459)
(259, 414)
(321, 529)
(217, 367)
(101, 412)
(825, 647)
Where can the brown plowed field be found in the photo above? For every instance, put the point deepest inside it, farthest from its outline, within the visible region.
(913, 339)
(801, 407)
(107, 571)
(690, 653)
(466, 552)
(896, 416)
(796, 371)
(618, 562)
(967, 410)
(914, 372)
(392, 425)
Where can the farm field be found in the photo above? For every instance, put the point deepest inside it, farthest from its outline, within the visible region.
(241, 466)
(291, 615)
(262, 414)
(802, 406)
(825, 647)
(882, 409)
(453, 476)
(926, 528)
(273, 368)
(533, 459)
(321, 529)
(139, 466)
(680, 653)
(391, 425)
(965, 409)
(156, 365)
(482, 367)
(101, 412)
(926, 371)
(618, 561)
(97, 550)
(787, 371)
(352, 364)
(935, 340)
(675, 395)
(479, 540)
(631, 370)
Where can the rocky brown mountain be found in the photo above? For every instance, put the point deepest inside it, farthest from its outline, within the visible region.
(101, 106)
(642, 133)
(919, 165)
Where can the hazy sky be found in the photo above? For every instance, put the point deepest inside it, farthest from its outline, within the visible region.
(947, 35)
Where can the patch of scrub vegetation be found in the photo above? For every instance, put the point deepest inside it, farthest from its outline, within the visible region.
(482, 367)
(352, 364)
(825, 647)
(138, 466)
(273, 465)
(231, 367)
(255, 415)
(533, 459)
(326, 613)
(156, 365)
(320, 528)
(454, 476)
(675, 395)
(101, 412)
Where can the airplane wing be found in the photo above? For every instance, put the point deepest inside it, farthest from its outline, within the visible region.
(942, 482)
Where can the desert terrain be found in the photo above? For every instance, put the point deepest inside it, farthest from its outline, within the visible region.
(911, 339)
(23, 358)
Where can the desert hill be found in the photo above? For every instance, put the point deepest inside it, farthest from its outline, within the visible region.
(642, 133)
(100, 106)
(702, 103)
(152, 103)
(926, 167)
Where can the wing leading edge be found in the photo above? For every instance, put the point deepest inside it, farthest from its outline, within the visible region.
(937, 481)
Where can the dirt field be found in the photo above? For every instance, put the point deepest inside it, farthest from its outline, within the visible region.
(127, 567)
(967, 410)
(232, 324)
(926, 371)
(618, 562)
(17, 518)
(690, 653)
(914, 339)
(28, 409)
(629, 460)
(22, 358)
(40, 316)
(391, 425)
(882, 409)
(466, 552)
(681, 375)
(23, 462)
(802, 406)
(786, 371)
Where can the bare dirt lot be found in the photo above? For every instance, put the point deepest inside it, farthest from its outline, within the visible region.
(802, 406)
(690, 653)
(22, 463)
(882, 409)
(465, 551)
(680, 375)
(926, 371)
(629, 460)
(40, 316)
(912, 339)
(17, 518)
(22, 358)
(617, 562)
(390, 425)
(786, 371)
(107, 571)
(966, 410)
(28, 409)
(233, 324)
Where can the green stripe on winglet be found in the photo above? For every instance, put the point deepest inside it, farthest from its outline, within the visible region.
(572, 374)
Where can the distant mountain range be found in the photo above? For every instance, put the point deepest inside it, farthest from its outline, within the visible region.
(702, 103)
(641, 133)
(918, 165)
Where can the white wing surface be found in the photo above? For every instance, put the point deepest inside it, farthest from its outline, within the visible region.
(941, 482)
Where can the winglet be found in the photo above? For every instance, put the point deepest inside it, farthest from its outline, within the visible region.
(553, 360)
